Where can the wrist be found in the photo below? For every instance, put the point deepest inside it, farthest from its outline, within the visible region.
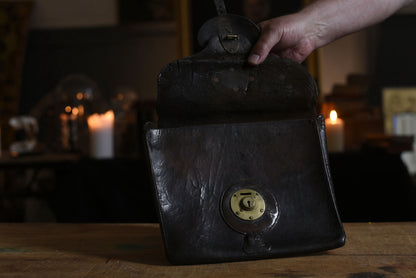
(317, 28)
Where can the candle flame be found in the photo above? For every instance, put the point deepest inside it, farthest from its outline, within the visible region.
(333, 116)
(81, 110)
(75, 111)
(101, 120)
(79, 96)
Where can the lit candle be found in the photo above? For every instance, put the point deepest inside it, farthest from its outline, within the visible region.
(334, 133)
(101, 127)
(69, 132)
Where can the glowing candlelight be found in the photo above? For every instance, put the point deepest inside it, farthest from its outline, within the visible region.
(334, 132)
(333, 116)
(101, 127)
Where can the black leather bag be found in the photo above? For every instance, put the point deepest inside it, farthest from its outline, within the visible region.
(239, 158)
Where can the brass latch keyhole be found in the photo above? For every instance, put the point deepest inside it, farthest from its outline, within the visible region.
(247, 204)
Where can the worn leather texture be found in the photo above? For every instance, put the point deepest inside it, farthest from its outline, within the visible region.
(217, 85)
(196, 169)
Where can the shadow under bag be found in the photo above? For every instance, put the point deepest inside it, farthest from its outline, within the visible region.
(239, 159)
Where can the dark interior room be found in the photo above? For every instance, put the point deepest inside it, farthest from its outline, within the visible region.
(112, 111)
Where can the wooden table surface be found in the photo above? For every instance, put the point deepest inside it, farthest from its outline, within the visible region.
(374, 250)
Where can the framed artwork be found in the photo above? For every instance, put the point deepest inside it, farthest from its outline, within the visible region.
(14, 25)
(397, 101)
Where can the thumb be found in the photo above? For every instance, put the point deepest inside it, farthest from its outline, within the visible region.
(262, 47)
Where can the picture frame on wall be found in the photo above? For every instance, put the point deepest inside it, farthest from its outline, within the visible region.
(397, 100)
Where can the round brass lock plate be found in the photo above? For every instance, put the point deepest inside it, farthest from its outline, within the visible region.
(247, 204)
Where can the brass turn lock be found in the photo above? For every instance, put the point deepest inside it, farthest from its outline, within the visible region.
(247, 204)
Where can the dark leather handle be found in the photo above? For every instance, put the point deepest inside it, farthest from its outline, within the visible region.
(219, 4)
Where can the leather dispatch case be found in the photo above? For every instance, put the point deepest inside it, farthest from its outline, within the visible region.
(239, 191)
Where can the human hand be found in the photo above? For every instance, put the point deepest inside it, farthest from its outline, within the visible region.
(296, 35)
(285, 36)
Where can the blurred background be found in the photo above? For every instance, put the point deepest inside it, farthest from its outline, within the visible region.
(62, 61)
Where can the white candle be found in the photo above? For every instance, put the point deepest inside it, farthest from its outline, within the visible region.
(334, 133)
(101, 127)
